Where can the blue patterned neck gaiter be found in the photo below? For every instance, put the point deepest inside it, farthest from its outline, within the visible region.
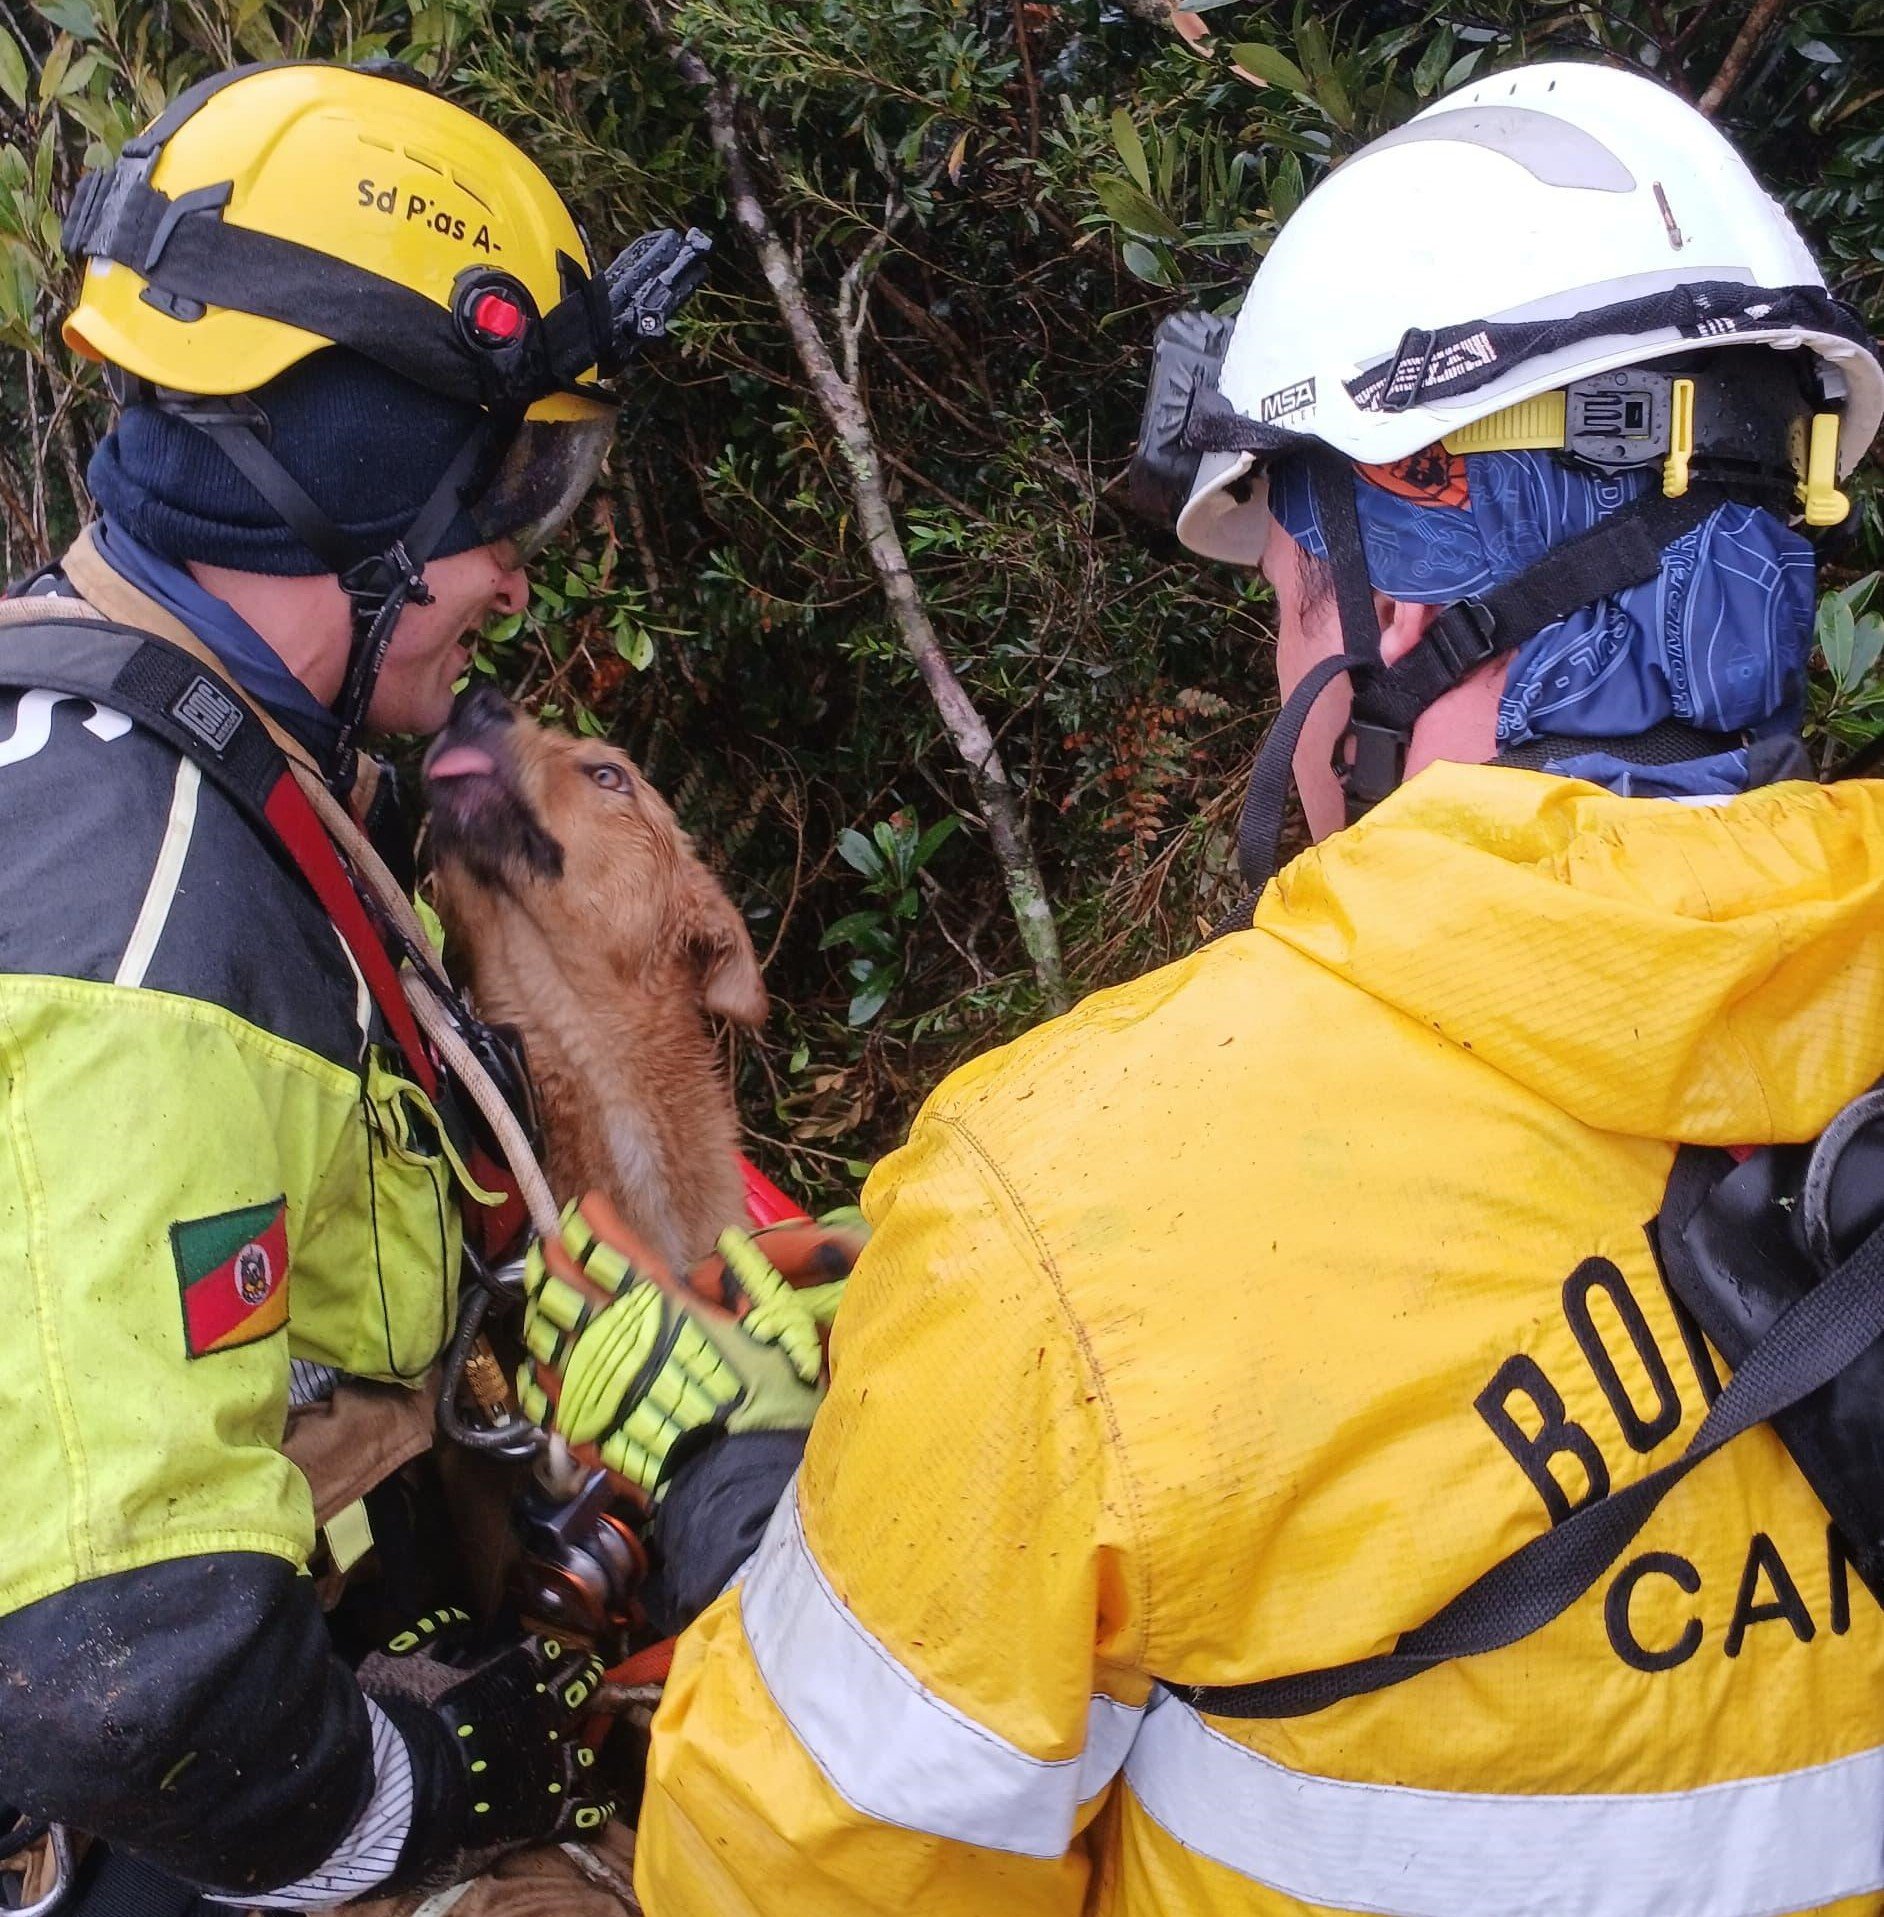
(1718, 640)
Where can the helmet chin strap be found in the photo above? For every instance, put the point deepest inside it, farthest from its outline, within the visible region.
(1370, 758)
(378, 588)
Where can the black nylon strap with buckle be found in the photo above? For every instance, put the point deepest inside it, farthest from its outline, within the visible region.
(1621, 551)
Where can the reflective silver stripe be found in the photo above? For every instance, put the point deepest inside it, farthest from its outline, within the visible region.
(891, 1749)
(1752, 1848)
(154, 914)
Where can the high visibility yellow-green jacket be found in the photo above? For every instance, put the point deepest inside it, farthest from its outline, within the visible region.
(216, 1184)
(1231, 1325)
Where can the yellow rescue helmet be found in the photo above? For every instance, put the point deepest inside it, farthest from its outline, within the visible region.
(352, 165)
(275, 211)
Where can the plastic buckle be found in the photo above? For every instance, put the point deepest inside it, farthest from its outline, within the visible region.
(1370, 761)
(1824, 504)
(1416, 344)
(1680, 440)
(1616, 421)
(1464, 636)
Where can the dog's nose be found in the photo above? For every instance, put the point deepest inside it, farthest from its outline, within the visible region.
(477, 708)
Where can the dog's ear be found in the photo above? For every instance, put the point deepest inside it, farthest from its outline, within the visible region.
(715, 938)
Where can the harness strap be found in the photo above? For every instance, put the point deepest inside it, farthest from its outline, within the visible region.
(1816, 1338)
(1621, 551)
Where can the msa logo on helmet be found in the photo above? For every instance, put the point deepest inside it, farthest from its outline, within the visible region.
(1299, 398)
(438, 219)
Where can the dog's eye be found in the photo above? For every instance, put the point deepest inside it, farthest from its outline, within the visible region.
(611, 778)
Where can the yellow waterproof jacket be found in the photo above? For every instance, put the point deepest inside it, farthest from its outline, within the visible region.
(1231, 1325)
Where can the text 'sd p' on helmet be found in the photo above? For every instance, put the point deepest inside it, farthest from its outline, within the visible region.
(1529, 231)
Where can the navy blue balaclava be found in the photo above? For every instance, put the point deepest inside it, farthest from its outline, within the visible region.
(367, 445)
(1719, 640)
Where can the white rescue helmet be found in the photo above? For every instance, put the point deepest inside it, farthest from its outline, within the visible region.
(1528, 231)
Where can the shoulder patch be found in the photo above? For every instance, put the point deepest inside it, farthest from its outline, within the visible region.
(232, 1271)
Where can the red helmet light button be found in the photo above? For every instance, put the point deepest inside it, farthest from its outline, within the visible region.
(497, 318)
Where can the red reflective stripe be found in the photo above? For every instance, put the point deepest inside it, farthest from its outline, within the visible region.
(313, 852)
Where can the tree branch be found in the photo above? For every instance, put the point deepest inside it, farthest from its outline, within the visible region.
(1760, 16)
(837, 397)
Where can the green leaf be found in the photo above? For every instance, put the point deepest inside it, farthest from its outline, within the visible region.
(1461, 70)
(1133, 211)
(1837, 636)
(635, 644)
(70, 16)
(870, 999)
(858, 853)
(1145, 263)
(1267, 63)
(799, 1059)
(1130, 148)
(78, 73)
(1866, 644)
(931, 841)
(852, 926)
(12, 69)
(56, 63)
(1434, 62)
(1285, 187)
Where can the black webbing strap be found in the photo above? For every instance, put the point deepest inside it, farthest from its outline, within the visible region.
(188, 252)
(1268, 790)
(1818, 1336)
(1621, 551)
(158, 686)
(1259, 829)
(1440, 364)
(1333, 479)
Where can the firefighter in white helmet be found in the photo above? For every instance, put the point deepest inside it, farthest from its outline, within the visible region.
(1299, 1436)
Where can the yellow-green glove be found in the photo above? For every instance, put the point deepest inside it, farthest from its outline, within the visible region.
(625, 1361)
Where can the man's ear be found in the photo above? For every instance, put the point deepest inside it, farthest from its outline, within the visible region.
(715, 938)
(1402, 624)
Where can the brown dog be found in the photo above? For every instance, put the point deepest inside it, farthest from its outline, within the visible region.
(584, 919)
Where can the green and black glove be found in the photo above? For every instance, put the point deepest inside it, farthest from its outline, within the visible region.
(627, 1363)
(498, 1759)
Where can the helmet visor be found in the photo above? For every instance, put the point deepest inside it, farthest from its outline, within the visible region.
(545, 472)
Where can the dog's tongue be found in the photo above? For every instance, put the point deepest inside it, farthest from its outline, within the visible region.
(461, 762)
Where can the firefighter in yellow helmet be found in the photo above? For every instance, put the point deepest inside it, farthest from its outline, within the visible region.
(1296, 1438)
(359, 345)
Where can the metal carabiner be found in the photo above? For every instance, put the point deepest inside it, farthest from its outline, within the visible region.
(61, 1841)
(515, 1437)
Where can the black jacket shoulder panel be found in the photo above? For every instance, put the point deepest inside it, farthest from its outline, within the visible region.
(119, 862)
(191, 1714)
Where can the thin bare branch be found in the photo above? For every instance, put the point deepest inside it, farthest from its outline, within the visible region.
(1746, 42)
(837, 397)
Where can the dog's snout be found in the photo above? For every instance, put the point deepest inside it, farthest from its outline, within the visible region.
(478, 708)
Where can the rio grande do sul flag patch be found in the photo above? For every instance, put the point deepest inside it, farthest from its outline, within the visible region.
(232, 1270)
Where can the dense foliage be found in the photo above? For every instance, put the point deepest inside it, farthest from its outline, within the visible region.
(990, 202)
